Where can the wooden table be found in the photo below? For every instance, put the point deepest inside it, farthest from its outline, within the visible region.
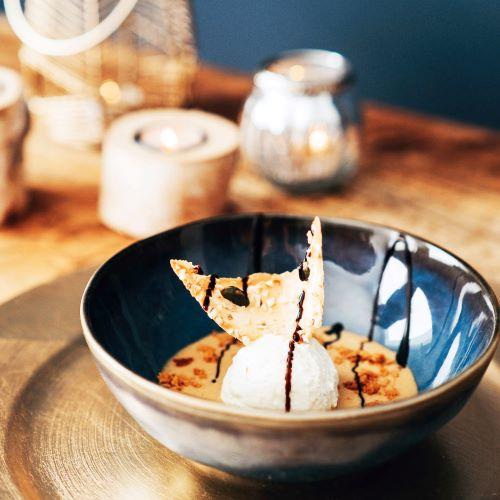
(437, 179)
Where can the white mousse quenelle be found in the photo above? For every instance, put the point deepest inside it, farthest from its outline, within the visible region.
(257, 376)
(282, 366)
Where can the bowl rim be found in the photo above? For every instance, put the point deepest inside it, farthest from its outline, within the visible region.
(216, 410)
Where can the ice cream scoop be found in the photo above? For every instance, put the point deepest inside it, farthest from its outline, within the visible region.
(257, 376)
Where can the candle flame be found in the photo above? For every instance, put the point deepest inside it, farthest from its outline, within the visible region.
(169, 139)
(318, 140)
(110, 92)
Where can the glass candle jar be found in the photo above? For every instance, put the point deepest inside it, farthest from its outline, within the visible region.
(300, 123)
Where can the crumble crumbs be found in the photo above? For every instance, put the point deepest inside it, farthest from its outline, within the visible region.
(182, 361)
(200, 372)
(372, 383)
(210, 355)
(176, 382)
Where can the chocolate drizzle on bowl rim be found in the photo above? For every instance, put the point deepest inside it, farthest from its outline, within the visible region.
(403, 351)
(336, 329)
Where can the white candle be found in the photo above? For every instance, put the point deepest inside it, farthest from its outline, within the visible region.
(171, 137)
(165, 167)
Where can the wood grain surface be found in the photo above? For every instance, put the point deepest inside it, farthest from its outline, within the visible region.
(437, 179)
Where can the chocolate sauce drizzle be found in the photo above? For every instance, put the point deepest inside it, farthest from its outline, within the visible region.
(404, 346)
(336, 329)
(256, 263)
(357, 378)
(300, 312)
(257, 242)
(244, 285)
(219, 359)
(210, 289)
(291, 347)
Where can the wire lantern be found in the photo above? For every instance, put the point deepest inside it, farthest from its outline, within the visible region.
(84, 62)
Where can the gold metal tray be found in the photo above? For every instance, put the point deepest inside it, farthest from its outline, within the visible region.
(63, 435)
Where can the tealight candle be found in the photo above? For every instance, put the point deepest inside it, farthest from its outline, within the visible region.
(171, 137)
(165, 167)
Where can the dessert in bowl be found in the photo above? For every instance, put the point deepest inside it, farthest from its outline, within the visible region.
(272, 358)
(351, 400)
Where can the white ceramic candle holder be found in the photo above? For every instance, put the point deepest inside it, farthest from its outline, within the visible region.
(165, 167)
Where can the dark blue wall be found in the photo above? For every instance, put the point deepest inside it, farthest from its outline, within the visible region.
(438, 56)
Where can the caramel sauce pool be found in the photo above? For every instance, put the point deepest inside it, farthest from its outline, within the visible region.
(199, 368)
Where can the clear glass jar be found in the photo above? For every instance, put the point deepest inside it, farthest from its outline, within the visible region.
(300, 123)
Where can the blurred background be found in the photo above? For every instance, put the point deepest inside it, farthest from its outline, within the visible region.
(434, 56)
(426, 75)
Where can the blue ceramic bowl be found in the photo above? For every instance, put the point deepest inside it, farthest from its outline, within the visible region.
(136, 314)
